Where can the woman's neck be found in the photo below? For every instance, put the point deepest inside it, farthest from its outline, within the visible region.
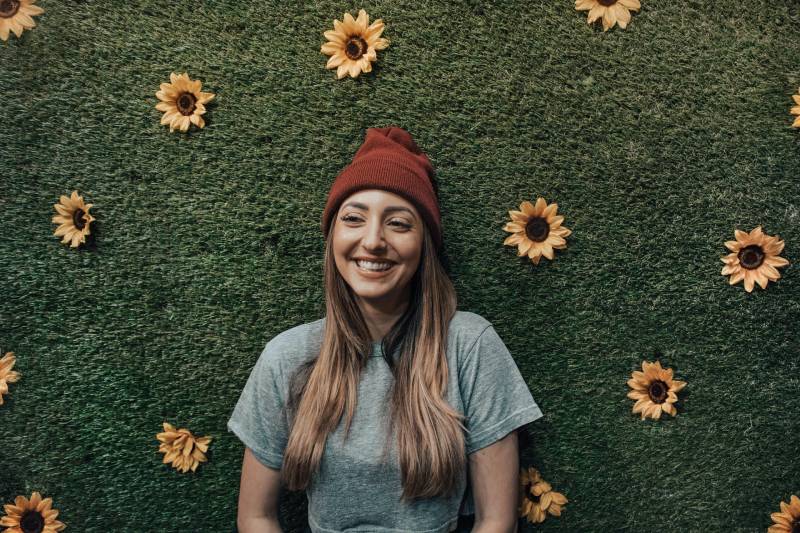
(381, 317)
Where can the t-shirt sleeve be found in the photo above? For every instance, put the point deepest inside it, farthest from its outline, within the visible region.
(495, 396)
(258, 418)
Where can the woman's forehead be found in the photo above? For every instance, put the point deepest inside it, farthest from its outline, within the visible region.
(377, 198)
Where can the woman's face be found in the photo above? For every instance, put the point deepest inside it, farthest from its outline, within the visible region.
(385, 228)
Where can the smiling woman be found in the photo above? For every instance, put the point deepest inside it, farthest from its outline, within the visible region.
(382, 408)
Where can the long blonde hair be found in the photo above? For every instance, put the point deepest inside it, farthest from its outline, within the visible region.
(430, 438)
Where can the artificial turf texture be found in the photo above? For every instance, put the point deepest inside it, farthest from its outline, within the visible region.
(655, 141)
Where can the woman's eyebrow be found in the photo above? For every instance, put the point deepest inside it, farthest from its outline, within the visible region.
(389, 209)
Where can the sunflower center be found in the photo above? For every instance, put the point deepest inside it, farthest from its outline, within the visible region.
(658, 391)
(77, 218)
(355, 47)
(185, 103)
(528, 494)
(8, 8)
(751, 256)
(32, 522)
(537, 229)
(796, 526)
(606, 2)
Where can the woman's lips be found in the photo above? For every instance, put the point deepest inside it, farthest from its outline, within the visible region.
(373, 273)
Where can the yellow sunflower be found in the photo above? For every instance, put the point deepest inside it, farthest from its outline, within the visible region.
(536, 230)
(352, 44)
(611, 11)
(73, 218)
(25, 516)
(538, 497)
(182, 102)
(654, 390)
(788, 520)
(17, 16)
(6, 374)
(181, 448)
(753, 258)
(796, 110)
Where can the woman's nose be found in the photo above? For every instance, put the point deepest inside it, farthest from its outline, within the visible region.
(373, 236)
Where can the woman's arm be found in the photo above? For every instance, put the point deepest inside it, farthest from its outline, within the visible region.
(258, 497)
(494, 477)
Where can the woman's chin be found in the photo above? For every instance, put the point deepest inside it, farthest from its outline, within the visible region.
(371, 294)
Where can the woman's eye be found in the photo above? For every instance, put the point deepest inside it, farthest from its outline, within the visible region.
(396, 222)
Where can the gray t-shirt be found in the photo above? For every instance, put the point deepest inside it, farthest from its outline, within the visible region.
(353, 490)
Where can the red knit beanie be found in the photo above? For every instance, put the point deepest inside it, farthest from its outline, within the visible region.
(390, 160)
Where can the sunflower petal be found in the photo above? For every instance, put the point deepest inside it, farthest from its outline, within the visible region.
(349, 24)
(363, 20)
(749, 281)
(777, 261)
(782, 519)
(335, 37)
(524, 247)
(527, 208)
(517, 216)
(775, 248)
(375, 29)
(736, 277)
(540, 206)
(335, 60)
(761, 278)
(354, 69)
(770, 271)
(733, 246)
(25, 20)
(331, 48)
(167, 117)
(623, 15)
(595, 13)
(32, 9)
(16, 27)
(609, 19)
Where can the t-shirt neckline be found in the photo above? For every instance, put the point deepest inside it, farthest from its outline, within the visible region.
(376, 349)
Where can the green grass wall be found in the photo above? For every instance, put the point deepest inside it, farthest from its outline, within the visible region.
(656, 142)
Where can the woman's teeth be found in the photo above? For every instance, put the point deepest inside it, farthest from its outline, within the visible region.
(375, 267)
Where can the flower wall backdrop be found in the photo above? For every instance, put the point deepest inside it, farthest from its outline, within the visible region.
(596, 161)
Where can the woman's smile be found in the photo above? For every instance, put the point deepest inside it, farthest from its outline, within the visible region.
(370, 270)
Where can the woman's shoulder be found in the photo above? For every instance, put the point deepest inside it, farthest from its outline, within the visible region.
(294, 345)
(464, 330)
(298, 334)
(467, 320)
